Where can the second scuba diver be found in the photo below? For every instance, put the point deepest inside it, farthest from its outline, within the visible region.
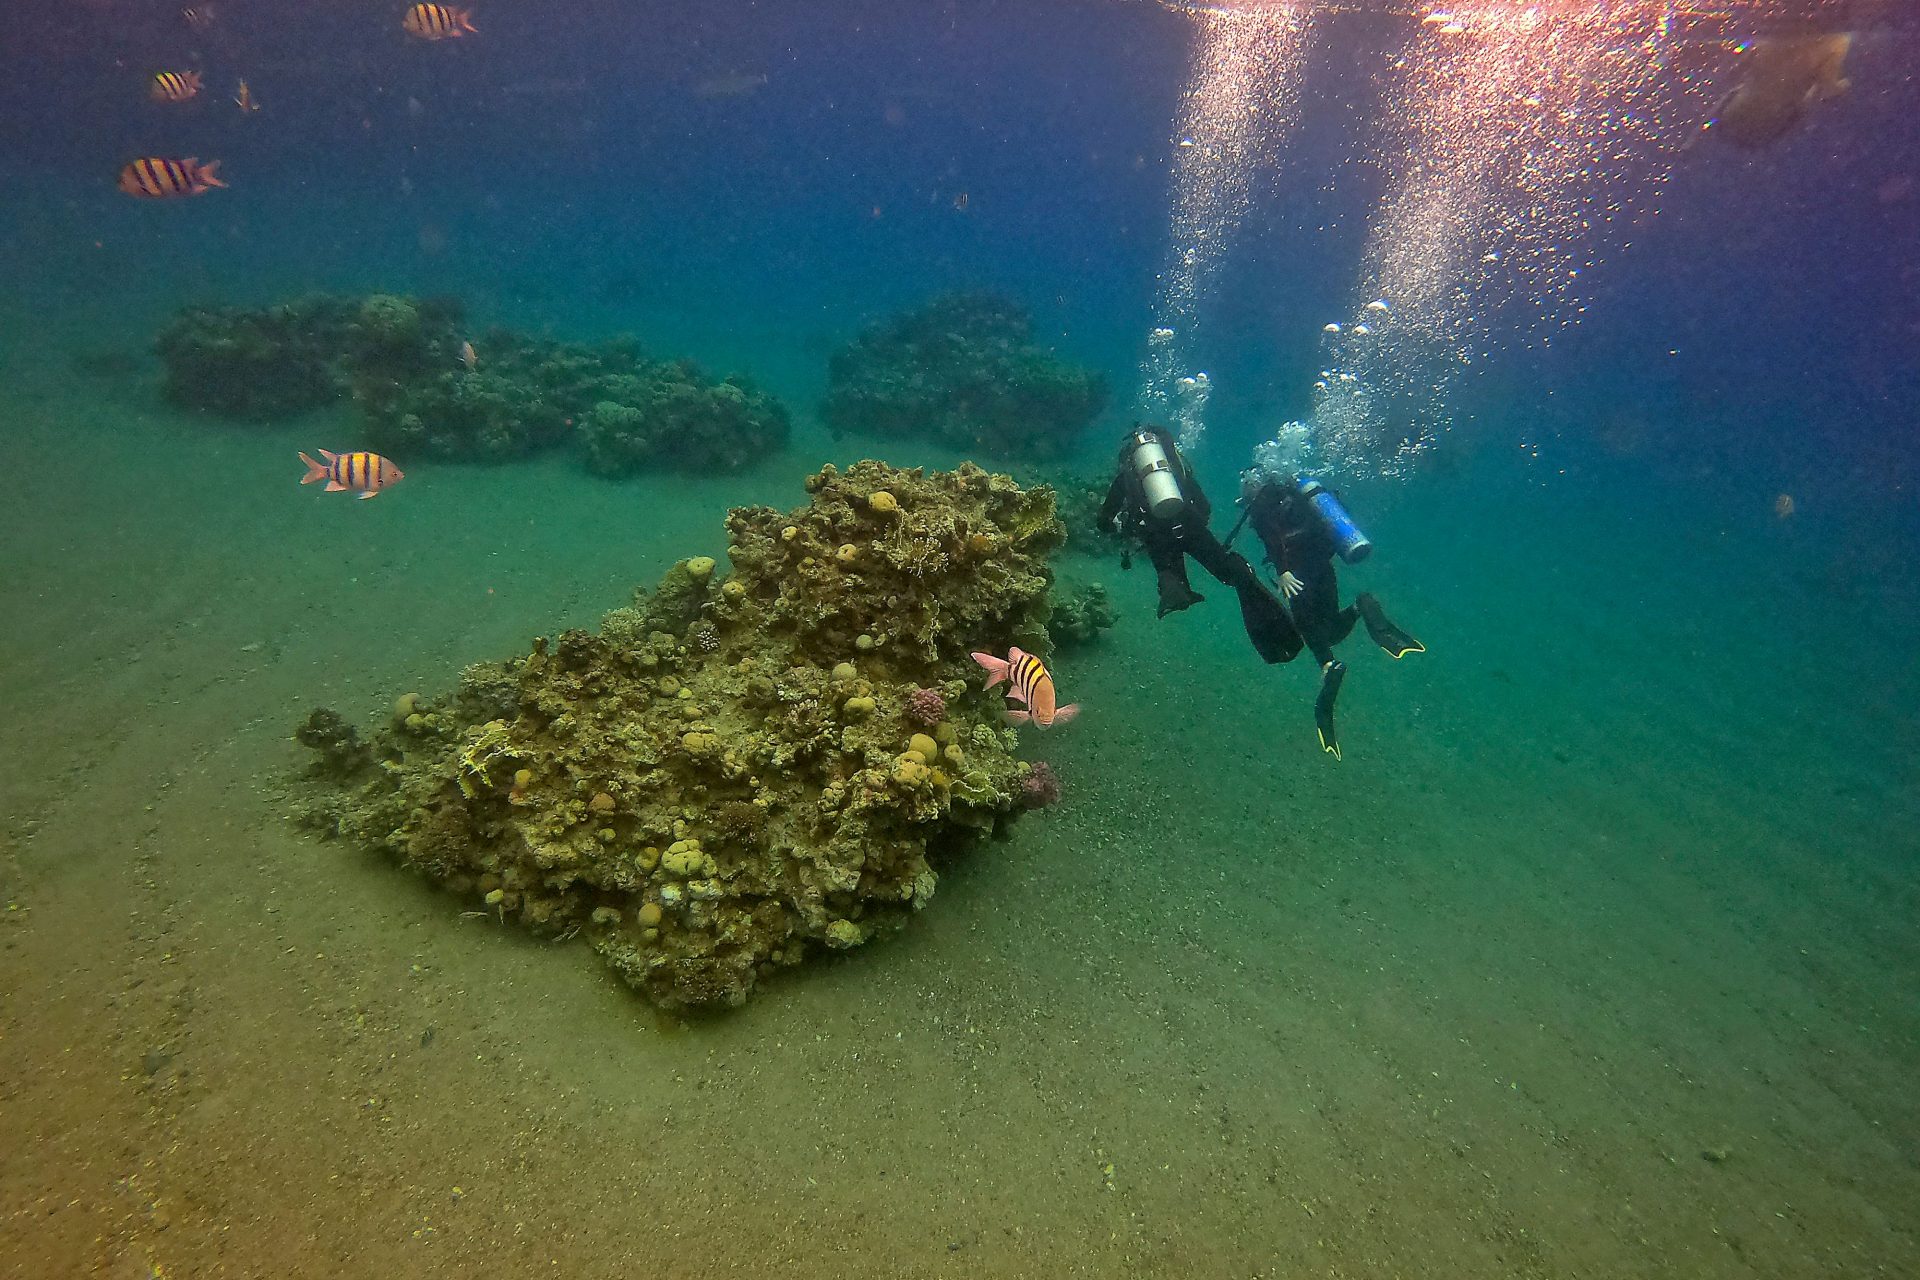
(1155, 498)
(1303, 526)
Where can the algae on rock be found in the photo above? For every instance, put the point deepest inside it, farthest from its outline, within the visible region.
(723, 779)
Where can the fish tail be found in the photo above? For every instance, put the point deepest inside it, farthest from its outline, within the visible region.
(466, 20)
(315, 470)
(205, 173)
(996, 668)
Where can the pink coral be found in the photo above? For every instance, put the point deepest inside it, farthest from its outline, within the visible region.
(1040, 787)
(926, 706)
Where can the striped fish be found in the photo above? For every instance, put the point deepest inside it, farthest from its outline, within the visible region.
(438, 22)
(366, 473)
(158, 178)
(174, 86)
(1028, 681)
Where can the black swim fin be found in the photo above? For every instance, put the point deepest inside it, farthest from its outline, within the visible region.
(1396, 642)
(1331, 676)
(1272, 632)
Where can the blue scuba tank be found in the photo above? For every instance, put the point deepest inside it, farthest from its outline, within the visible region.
(1352, 544)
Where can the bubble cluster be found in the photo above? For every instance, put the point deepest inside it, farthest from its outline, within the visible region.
(1528, 137)
(1241, 99)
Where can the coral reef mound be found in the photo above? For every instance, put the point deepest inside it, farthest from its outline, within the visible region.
(726, 776)
(963, 370)
(404, 363)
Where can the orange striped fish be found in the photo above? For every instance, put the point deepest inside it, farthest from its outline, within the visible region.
(174, 86)
(365, 473)
(438, 22)
(1028, 681)
(159, 178)
(245, 100)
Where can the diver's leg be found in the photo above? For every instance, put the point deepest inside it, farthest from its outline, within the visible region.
(1323, 623)
(1332, 672)
(1317, 612)
(1170, 569)
(1384, 633)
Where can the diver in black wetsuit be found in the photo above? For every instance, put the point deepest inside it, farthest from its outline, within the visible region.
(1155, 498)
(1303, 526)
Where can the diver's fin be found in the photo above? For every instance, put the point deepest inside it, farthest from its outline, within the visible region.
(1330, 679)
(1396, 642)
(1272, 632)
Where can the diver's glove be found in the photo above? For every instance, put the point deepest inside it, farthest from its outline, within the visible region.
(1291, 586)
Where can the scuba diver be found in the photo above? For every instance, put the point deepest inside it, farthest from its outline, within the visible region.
(1303, 526)
(1155, 498)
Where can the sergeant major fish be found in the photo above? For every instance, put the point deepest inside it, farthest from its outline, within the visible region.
(174, 86)
(438, 22)
(360, 471)
(1027, 681)
(155, 177)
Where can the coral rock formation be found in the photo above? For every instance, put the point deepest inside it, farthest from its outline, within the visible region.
(708, 810)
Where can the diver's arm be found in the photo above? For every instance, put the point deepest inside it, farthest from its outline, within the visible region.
(1116, 495)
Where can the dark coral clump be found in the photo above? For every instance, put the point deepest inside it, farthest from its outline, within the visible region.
(342, 753)
(425, 389)
(669, 415)
(724, 778)
(1039, 786)
(1080, 499)
(1080, 615)
(270, 362)
(963, 370)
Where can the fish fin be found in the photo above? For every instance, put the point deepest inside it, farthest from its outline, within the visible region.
(466, 21)
(334, 486)
(996, 668)
(371, 493)
(1017, 717)
(205, 173)
(1066, 713)
(315, 470)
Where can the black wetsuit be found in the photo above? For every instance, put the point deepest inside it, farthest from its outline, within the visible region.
(1169, 542)
(1297, 542)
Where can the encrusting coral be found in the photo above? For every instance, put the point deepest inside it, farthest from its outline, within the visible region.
(708, 810)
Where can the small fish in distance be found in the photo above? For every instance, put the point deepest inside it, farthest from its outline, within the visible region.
(174, 86)
(438, 22)
(158, 178)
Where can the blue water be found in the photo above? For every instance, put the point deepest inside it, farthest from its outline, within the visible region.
(1594, 955)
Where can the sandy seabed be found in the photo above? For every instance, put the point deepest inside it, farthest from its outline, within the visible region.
(1580, 964)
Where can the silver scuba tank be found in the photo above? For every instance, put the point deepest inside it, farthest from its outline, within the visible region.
(1159, 481)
